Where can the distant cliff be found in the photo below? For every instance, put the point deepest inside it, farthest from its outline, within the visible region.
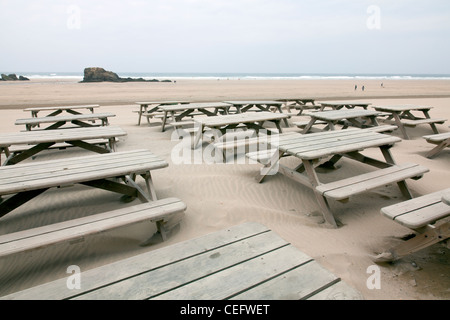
(96, 74)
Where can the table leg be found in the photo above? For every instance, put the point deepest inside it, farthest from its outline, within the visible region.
(198, 136)
(164, 120)
(17, 200)
(13, 159)
(321, 200)
(400, 125)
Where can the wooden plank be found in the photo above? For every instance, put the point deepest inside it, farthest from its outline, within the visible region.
(418, 212)
(413, 123)
(146, 262)
(437, 138)
(224, 120)
(318, 145)
(25, 172)
(56, 173)
(35, 137)
(297, 284)
(87, 106)
(342, 114)
(343, 189)
(71, 230)
(244, 274)
(90, 116)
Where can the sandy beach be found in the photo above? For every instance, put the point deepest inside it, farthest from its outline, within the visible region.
(219, 196)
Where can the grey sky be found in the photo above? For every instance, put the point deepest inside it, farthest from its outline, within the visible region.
(290, 36)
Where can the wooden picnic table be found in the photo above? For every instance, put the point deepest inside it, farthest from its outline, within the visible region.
(29, 143)
(257, 105)
(300, 104)
(59, 121)
(24, 181)
(357, 118)
(181, 111)
(144, 106)
(404, 116)
(59, 109)
(337, 105)
(327, 148)
(220, 124)
(244, 262)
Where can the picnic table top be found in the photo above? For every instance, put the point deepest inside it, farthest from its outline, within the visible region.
(342, 114)
(399, 108)
(200, 105)
(72, 117)
(222, 120)
(258, 102)
(247, 261)
(161, 102)
(42, 136)
(67, 171)
(328, 143)
(295, 99)
(344, 103)
(87, 106)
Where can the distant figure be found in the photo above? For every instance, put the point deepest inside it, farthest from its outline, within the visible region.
(382, 85)
(362, 88)
(356, 87)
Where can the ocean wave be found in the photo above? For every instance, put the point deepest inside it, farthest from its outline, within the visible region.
(243, 76)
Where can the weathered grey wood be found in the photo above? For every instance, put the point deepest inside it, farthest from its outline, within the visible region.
(66, 118)
(25, 144)
(426, 215)
(338, 105)
(319, 145)
(226, 264)
(71, 230)
(403, 116)
(21, 179)
(87, 106)
(418, 212)
(301, 283)
(413, 123)
(345, 188)
(146, 262)
(442, 141)
(240, 277)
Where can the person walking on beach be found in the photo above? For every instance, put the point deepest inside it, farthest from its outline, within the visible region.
(362, 88)
(356, 87)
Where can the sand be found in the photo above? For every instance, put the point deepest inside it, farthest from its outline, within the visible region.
(219, 196)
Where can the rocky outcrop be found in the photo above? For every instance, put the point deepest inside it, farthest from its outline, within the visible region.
(96, 74)
(13, 77)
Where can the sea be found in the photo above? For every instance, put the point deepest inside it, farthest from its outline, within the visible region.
(237, 76)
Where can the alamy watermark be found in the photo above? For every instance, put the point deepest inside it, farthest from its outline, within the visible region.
(73, 282)
(374, 20)
(74, 18)
(374, 280)
(228, 148)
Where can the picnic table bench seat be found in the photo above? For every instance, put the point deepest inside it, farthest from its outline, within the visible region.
(75, 230)
(243, 262)
(426, 215)
(341, 190)
(416, 122)
(442, 140)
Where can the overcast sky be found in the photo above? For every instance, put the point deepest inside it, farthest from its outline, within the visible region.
(257, 36)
